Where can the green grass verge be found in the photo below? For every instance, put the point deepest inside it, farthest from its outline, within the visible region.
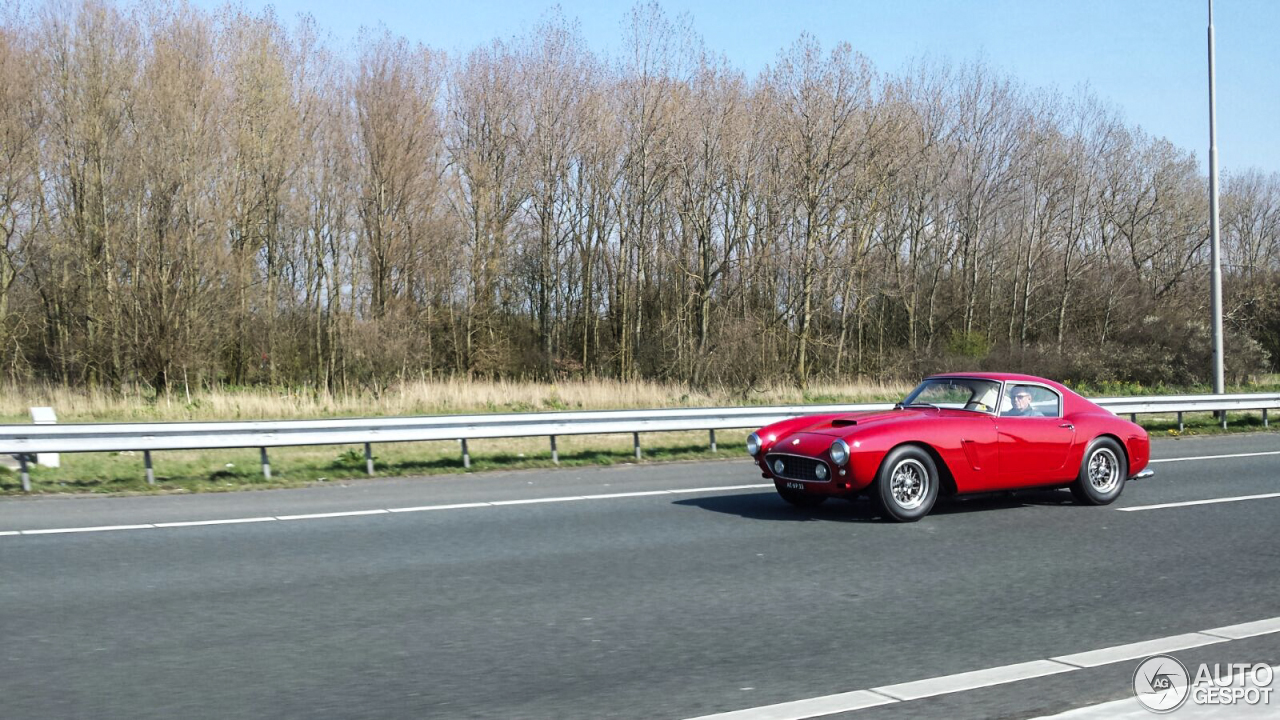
(1205, 424)
(240, 469)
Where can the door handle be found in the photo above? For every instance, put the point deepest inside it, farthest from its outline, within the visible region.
(1068, 426)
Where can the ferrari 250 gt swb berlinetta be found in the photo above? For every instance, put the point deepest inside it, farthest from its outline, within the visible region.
(955, 434)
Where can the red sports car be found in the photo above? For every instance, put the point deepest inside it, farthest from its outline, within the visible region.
(955, 433)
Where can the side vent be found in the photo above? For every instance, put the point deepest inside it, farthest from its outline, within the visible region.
(971, 453)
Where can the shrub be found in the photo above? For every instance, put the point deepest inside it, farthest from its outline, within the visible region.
(968, 344)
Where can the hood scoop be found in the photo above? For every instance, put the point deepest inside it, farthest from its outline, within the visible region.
(839, 426)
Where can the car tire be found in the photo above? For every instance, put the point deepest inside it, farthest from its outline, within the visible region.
(907, 485)
(800, 499)
(1103, 471)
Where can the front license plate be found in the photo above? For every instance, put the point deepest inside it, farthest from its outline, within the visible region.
(795, 486)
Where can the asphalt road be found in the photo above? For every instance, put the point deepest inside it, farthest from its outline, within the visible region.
(652, 606)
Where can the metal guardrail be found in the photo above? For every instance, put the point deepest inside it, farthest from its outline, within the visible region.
(26, 440)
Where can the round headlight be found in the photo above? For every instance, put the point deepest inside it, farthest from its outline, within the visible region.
(839, 452)
(820, 471)
(753, 444)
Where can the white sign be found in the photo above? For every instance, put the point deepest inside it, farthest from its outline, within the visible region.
(45, 416)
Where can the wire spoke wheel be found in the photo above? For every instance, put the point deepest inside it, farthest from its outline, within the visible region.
(1104, 470)
(909, 484)
(906, 484)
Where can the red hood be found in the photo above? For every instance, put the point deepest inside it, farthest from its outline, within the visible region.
(844, 424)
(814, 439)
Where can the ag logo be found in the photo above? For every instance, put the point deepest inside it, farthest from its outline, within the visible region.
(1161, 683)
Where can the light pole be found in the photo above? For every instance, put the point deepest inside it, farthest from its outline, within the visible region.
(1215, 242)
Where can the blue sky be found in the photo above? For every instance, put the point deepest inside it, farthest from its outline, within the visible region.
(1147, 57)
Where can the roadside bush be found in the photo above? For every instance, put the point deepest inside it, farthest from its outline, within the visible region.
(968, 345)
(1155, 351)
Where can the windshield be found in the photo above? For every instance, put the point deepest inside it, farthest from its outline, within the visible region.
(972, 394)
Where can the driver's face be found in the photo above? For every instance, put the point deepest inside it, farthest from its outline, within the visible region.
(1022, 400)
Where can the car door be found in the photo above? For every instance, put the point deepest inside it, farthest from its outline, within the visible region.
(975, 467)
(1033, 447)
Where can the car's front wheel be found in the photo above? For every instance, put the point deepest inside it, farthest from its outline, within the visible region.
(1102, 473)
(907, 484)
(798, 498)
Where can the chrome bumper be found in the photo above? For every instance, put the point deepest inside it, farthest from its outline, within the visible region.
(1143, 475)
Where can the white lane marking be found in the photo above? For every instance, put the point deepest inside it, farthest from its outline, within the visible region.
(1246, 630)
(424, 508)
(1215, 457)
(1189, 503)
(813, 707)
(379, 511)
(101, 528)
(960, 682)
(1118, 653)
(612, 496)
(973, 680)
(321, 516)
(535, 501)
(725, 487)
(229, 521)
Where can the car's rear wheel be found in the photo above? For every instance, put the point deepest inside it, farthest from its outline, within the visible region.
(907, 484)
(1102, 473)
(798, 498)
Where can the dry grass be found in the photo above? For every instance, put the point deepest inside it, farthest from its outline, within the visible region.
(414, 398)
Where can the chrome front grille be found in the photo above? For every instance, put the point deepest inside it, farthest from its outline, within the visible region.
(795, 467)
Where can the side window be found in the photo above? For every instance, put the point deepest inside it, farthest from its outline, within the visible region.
(1030, 401)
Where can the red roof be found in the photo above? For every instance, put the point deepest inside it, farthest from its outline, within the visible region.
(1015, 377)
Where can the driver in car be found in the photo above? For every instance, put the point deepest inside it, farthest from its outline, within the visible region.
(1022, 404)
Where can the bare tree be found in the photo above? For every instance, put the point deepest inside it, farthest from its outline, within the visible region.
(21, 129)
(193, 198)
(487, 139)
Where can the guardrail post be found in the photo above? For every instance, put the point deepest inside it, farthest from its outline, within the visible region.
(1264, 418)
(713, 441)
(636, 439)
(466, 456)
(26, 476)
(1224, 419)
(555, 454)
(368, 458)
(266, 464)
(151, 473)
(1133, 417)
(1180, 428)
